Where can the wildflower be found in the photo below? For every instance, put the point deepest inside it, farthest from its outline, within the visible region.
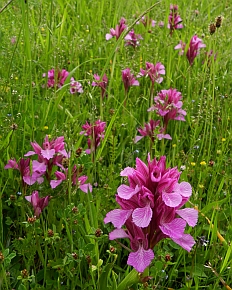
(223, 139)
(13, 40)
(95, 132)
(50, 154)
(56, 79)
(149, 207)
(60, 177)
(23, 166)
(152, 130)
(193, 163)
(128, 79)
(49, 148)
(102, 84)
(194, 48)
(118, 30)
(203, 163)
(76, 179)
(38, 203)
(132, 39)
(181, 46)
(168, 105)
(154, 72)
(146, 21)
(75, 87)
(174, 20)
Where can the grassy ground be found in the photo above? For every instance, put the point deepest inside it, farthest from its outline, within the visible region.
(66, 34)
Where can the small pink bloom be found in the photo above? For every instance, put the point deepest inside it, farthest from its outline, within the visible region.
(75, 87)
(153, 71)
(194, 48)
(102, 84)
(174, 20)
(152, 130)
(38, 203)
(132, 39)
(168, 105)
(118, 30)
(13, 40)
(181, 46)
(95, 132)
(128, 79)
(146, 21)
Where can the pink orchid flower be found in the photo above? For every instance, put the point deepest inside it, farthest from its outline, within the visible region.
(118, 30)
(150, 210)
(38, 203)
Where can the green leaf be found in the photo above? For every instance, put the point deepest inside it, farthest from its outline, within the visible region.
(131, 278)
(89, 247)
(8, 221)
(22, 287)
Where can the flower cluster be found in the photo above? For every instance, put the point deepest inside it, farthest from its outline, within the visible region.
(168, 105)
(56, 79)
(50, 157)
(193, 50)
(95, 132)
(150, 210)
(174, 20)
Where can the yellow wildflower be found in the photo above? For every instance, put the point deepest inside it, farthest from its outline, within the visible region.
(203, 163)
(193, 163)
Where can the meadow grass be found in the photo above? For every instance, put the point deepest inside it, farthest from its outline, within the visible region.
(68, 246)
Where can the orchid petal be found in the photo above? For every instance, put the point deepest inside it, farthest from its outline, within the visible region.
(190, 215)
(117, 217)
(126, 192)
(171, 199)
(186, 242)
(174, 229)
(55, 183)
(141, 259)
(48, 153)
(118, 234)
(142, 216)
(185, 189)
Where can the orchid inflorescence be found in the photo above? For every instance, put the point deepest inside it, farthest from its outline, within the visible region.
(194, 47)
(151, 210)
